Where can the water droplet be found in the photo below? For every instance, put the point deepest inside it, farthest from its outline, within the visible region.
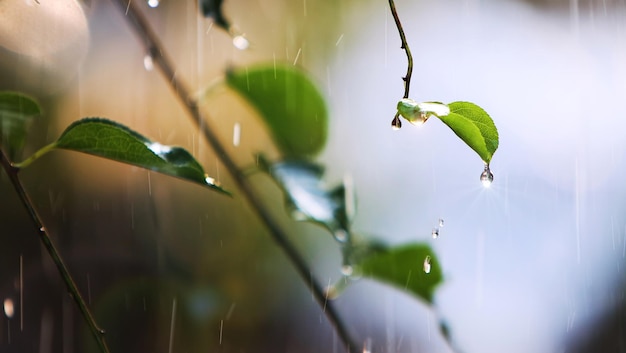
(331, 292)
(486, 177)
(427, 264)
(420, 119)
(340, 235)
(298, 215)
(102, 331)
(440, 222)
(367, 345)
(396, 124)
(240, 42)
(236, 134)
(153, 3)
(9, 308)
(435, 233)
(148, 63)
(42, 229)
(347, 270)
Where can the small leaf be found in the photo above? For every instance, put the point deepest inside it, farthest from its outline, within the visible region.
(213, 9)
(16, 113)
(403, 267)
(417, 113)
(289, 103)
(474, 126)
(108, 139)
(305, 197)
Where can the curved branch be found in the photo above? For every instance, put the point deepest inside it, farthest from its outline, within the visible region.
(405, 46)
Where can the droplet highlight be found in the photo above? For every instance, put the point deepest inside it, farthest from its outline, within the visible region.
(236, 134)
(153, 3)
(148, 63)
(9, 308)
(420, 119)
(435, 233)
(367, 345)
(341, 235)
(486, 177)
(427, 264)
(347, 270)
(440, 222)
(240, 42)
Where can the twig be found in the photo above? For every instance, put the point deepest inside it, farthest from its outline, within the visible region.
(142, 28)
(405, 46)
(97, 332)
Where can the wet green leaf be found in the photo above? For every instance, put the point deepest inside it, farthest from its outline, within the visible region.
(288, 102)
(403, 267)
(16, 113)
(305, 197)
(213, 9)
(474, 126)
(108, 139)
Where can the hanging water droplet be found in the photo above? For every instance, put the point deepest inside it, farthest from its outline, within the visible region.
(102, 331)
(435, 233)
(486, 177)
(9, 308)
(396, 124)
(153, 3)
(340, 235)
(420, 119)
(347, 270)
(148, 63)
(427, 264)
(240, 42)
(42, 229)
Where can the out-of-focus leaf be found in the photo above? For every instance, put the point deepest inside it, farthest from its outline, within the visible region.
(16, 113)
(404, 267)
(213, 9)
(474, 126)
(111, 140)
(305, 197)
(288, 102)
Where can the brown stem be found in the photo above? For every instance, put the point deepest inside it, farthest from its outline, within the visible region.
(405, 46)
(142, 28)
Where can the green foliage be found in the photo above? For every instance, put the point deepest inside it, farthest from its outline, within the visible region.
(288, 102)
(474, 126)
(16, 112)
(306, 199)
(404, 268)
(111, 140)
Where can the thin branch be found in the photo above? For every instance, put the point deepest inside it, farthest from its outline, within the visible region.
(96, 331)
(405, 46)
(142, 28)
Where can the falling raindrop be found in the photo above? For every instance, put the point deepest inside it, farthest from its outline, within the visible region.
(440, 222)
(427, 264)
(435, 233)
(346, 270)
(486, 177)
(153, 3)
(240, 42)
(396, 124)
(9, 309)
(148, 63)
(340, 235)
(236, 134)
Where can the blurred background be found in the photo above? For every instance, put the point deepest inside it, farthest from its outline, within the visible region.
(533, 264)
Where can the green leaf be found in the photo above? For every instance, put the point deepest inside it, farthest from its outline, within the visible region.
(289, 103)
(16, 113)
(474, 126)
(305, 197)
(403, 267)
(108, 139)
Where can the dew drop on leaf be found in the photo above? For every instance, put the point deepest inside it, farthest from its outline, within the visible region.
(486, 177)
(435, 233)
(427, 264)
(148, 63)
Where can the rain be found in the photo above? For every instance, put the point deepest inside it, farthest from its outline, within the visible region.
(534, 245)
